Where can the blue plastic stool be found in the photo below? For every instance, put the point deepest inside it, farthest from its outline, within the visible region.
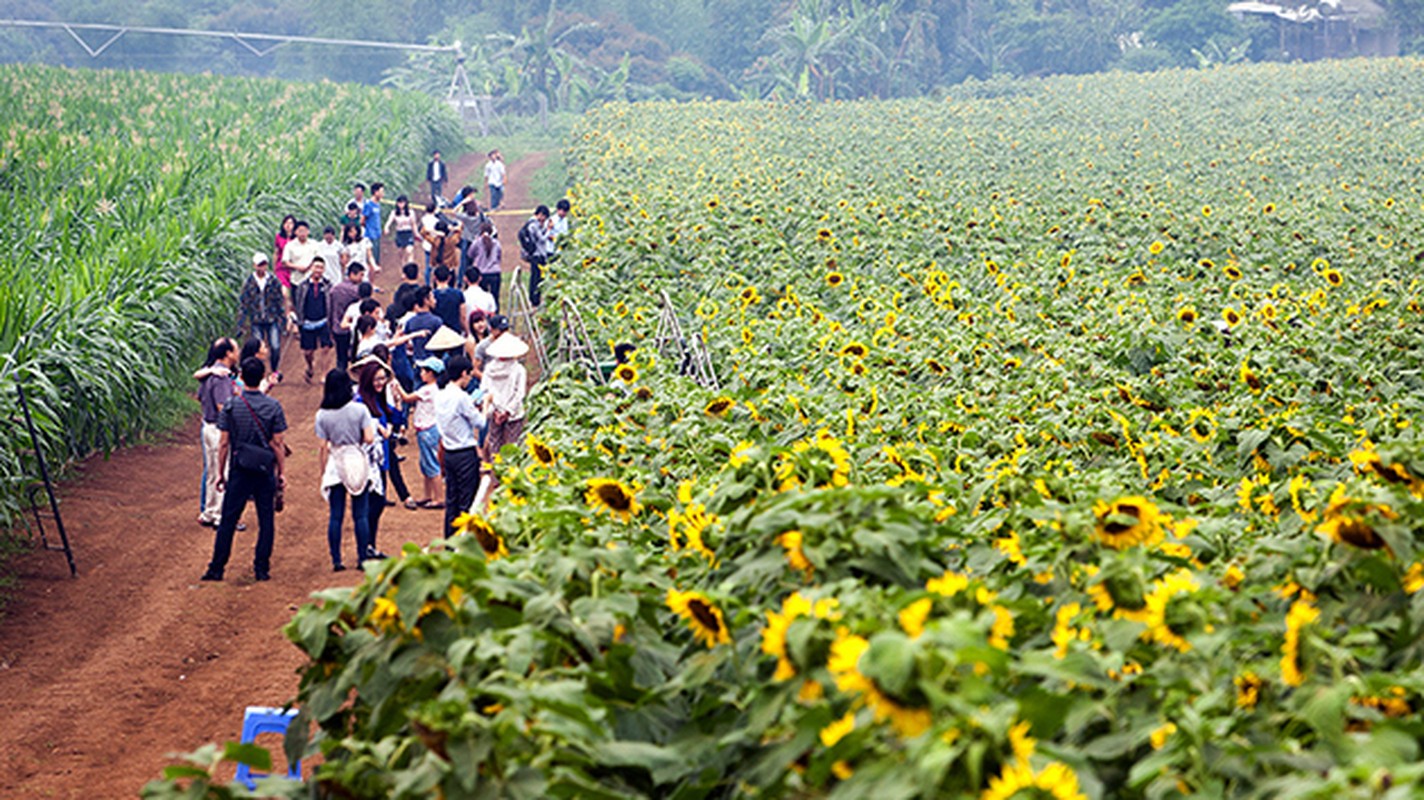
(262, 719)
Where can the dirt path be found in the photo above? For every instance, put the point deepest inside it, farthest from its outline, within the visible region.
(103, 676)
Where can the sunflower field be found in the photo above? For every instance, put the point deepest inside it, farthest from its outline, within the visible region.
(1067, 446)
(133, 203)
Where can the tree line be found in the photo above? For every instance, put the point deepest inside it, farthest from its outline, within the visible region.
(557, 54)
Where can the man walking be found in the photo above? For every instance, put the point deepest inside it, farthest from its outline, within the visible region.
(534, 250)
(313, 313)
(251, 448)
(261, 308)
(459, 423)
(298, 254)
(437, 174)
(344, 295)
(494, 176)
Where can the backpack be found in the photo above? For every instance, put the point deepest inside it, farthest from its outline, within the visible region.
(528, 242)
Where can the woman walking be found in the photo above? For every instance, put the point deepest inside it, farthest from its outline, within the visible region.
(355, 248)
(404, 222)
(344, 426)
(286, 232)
(486, 256)
(396, 418)
(372, 379)
(505, 383)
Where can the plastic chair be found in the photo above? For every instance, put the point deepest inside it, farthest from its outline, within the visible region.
(258, 720)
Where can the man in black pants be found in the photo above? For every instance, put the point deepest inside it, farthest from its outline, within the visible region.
(459, 423)
(251, 449)
(437, 174)
(534, 248)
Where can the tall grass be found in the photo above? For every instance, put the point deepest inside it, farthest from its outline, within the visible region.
(132, 203)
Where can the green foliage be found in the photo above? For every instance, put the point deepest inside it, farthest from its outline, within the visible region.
(136, 201)
(978, 504)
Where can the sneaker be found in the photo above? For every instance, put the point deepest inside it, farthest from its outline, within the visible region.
(207, 523)
(241, 526)
(211, 576)
(375, 555)
(262, 576)
(338, 567)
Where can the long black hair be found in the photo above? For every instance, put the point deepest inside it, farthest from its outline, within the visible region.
(250, 349)
(337, 391)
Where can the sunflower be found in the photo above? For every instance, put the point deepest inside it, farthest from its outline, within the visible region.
(855, 350)
(1231, 316)
(857, 368)
(773, 636)
(795, 556)
(1248, 689)
(1301, 613)
(1349, 520)
(1368, 461)
(1250, 378)
(713, 202)
(1013, 362)
(490, 541)
(703, 617)
(1057, 781)
(1333, 277)
(1201, 423)
(934, 366)
(834, 279)
(844, 665)
(1269, 208)
(1187, 314)
(838, 730)
(689, 524)
(1128, 521)
(823, 234)
(626, 373)
(1232, 271)
(1206, 263)
(1206, 211)
(540, 450)
(614, 496)
(750, 296)
(720, 406)
(1156, 248)
(1161, 625)
(912, 617)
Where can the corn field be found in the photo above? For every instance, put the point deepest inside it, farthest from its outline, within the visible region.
(133, 202)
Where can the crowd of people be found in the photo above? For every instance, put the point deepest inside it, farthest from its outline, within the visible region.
(435, 372)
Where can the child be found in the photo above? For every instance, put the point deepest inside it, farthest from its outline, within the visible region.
(427, 435)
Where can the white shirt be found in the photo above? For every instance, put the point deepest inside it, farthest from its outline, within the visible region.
(427, 224)
(330, 256)
(349, 317)
(261, 281)
(477, 297)
(358, 252)
(494, 173)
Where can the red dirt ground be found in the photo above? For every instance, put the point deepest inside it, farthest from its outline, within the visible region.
(103, 676)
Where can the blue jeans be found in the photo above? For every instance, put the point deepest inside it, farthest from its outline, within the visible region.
(496, 196)
(271, 333)
(360, 520)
